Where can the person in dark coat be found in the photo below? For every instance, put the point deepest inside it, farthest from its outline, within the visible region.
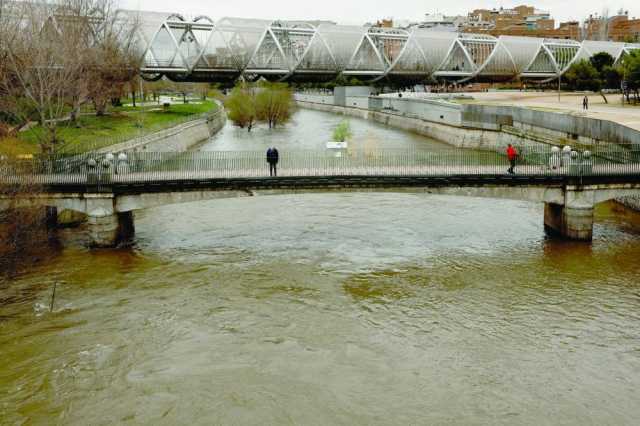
(272, 158)
(585, 103)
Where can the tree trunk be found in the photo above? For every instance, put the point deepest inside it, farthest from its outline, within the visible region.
(604, 97)
(73, 115)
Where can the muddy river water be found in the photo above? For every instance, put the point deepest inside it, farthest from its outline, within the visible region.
(345, 308)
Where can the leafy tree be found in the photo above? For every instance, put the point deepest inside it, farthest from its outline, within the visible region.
(241, 107)
(611, 77)
(631, 72)
(601, 60)
(274, 103)
(583, 75)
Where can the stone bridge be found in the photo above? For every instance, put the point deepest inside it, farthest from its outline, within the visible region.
(110, 200)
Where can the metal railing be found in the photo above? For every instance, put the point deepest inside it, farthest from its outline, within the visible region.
(158, 168)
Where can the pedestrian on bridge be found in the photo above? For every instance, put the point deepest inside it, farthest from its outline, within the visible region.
(272, 158)
(585, 103)
(512, 155)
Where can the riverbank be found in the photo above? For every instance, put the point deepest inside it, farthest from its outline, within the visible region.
(178, 138)
(457, 136)
(118, 127)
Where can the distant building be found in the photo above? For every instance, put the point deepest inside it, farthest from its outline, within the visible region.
(529, 22)
(384, 23)
(612, 28)
(439, 21)
(519, 21)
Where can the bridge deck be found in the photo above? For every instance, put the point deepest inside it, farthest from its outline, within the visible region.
(525, 174)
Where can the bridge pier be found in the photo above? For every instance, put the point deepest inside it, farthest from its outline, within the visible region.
(108, 229)
(574, 219)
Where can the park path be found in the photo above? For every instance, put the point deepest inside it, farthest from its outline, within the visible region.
(627, 115)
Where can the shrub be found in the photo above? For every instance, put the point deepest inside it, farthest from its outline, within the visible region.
(342, 132)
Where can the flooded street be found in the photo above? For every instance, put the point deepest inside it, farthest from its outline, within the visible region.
(337, 308)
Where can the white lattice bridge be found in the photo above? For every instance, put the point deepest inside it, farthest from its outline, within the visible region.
(201, 49)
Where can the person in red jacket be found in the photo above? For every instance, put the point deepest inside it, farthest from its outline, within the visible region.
(512, 155)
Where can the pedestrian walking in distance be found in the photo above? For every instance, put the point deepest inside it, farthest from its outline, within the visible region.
(272, 158)
(512, 155)
(585, 103)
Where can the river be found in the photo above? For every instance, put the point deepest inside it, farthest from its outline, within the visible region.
(346, 308)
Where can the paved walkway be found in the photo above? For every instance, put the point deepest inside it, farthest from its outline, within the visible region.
(164, 177)
(627, 115)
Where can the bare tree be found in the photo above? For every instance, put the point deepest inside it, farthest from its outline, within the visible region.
(62, 53)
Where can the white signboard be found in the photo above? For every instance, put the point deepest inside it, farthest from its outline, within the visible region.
(336, 145)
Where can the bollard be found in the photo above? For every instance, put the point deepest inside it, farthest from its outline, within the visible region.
(566, 156)
(107, 169)
(587, 163)
(123, 164)
(574, 164)
(92, 174)
(555, 160)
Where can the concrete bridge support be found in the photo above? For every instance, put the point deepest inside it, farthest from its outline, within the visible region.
(109, 229)
(574, 219)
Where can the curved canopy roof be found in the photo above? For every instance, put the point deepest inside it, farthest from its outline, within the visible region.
(285, 49)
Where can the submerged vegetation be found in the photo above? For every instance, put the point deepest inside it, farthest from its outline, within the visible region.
(342, 132)
(270, 103)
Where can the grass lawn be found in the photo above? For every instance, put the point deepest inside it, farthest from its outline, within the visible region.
(119, 125)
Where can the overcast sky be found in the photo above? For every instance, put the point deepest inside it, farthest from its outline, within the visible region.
(361, 11)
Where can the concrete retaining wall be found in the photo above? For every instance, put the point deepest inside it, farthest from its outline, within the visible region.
(425, 109)
(584, 130)
(178, 138)
(479, 126)
(457, 136)
(357, 102)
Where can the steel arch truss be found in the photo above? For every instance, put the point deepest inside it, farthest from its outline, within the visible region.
(203, 50)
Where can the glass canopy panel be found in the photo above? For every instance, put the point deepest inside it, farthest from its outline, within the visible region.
(499, 64)
(342, 41)
(591, 48)
(268, 55)
(523, 50)
(411, 59)
(435, 45)
(479, 50)
(189, 46)
(542, 63)
(563, 53)
(149, 60)
(389, 43)
(242, 36)
(217, 53)
(294, 43)
(163, 48)
(457, 61)
(318, 57)
(366, 58)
